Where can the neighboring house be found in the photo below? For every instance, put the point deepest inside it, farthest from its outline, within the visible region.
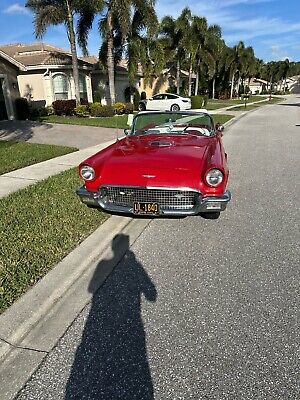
(167, 79)
(257, 85)
(293, 84)
(45, 73)
(100, 82)
(9, 89)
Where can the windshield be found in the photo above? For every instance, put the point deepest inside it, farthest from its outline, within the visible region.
(173, 123)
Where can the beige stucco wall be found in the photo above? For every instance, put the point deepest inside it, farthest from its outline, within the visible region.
(157, 85)
(100, 82)
(37, 85)
(8, 73)
(32, 86)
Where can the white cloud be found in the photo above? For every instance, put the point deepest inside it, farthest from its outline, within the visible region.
(16, 9)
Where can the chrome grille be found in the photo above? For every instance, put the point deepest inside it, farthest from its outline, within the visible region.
(168, 199)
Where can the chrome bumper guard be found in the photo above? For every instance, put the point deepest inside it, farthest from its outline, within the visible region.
(203, 204)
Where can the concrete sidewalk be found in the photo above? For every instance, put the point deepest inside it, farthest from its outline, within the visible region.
(23, 177)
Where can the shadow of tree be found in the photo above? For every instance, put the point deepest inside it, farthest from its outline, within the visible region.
(19, 130)
(111, 361)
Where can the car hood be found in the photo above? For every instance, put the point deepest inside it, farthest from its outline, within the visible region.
(155, 160)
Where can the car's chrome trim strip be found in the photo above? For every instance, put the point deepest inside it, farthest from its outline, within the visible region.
(187, 189)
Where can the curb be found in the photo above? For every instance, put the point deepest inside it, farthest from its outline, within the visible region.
(31, 327)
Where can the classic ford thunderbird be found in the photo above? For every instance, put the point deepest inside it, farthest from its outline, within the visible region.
(169, 163)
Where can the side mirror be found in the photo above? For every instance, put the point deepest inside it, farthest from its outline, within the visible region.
(127, 132)
(219, 127)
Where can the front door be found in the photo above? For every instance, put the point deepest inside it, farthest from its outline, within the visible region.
(3, 112)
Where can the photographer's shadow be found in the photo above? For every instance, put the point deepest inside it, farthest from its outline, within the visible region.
(111, 361)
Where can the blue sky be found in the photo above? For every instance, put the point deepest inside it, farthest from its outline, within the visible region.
(272, 27)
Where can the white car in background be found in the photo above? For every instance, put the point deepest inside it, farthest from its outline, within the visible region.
(165, 102)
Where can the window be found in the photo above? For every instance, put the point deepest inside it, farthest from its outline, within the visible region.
(158, 97)
(171, 96)
(82, 87)
(60, 87)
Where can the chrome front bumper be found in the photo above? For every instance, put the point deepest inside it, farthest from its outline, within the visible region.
(203, 204)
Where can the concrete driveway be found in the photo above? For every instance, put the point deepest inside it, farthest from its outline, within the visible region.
(59, 134)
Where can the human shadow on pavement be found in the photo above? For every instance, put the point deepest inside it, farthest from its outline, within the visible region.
(111, 361)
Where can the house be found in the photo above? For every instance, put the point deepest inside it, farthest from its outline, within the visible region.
(164, 81)
(257, 86)
(9, 89)
(293, 84)
(100, 84)
(45, 73)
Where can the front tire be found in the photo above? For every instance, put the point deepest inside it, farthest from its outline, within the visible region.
(175, 107)
(142, 107)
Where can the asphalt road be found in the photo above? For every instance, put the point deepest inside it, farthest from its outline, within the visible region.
(200, 309)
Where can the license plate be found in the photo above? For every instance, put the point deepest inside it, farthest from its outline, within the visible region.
(146, 208)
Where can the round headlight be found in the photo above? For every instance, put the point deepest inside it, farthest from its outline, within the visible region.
(87, 173)
(214, 177)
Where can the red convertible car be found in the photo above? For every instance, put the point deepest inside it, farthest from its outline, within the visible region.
(169, 163)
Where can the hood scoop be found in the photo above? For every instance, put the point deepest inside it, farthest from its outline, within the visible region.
(160, 143)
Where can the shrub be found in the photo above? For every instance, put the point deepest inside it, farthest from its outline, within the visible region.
(129, 108)
(198, 101)
(98, 95)
(82, 111)
(136, 100)
(94, 108)
(119, 108)
(49, 110)
(22, 108)
(106, 111)
(84, 102)
(172, 89)
(64, 107)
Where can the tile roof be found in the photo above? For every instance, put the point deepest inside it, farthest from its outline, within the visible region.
(39, 54)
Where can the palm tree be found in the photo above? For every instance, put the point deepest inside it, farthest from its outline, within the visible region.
(217, 52)
(236, 62)
(56, 12)
(116, 17)
(199, 30)
(172, 31)
(209, 51)
(145, 51)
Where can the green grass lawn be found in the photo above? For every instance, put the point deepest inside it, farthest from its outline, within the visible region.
(222, 118)
(14, 155)
(118, 121)
(39, 226)
(254, 106)
(216, 104)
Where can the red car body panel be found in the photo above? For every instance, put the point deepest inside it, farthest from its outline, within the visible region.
(160, 161)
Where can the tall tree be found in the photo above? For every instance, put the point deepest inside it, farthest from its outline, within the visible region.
(172, 31)
(56, 12)
(116, 17)
(209, 51)
(235, 62)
